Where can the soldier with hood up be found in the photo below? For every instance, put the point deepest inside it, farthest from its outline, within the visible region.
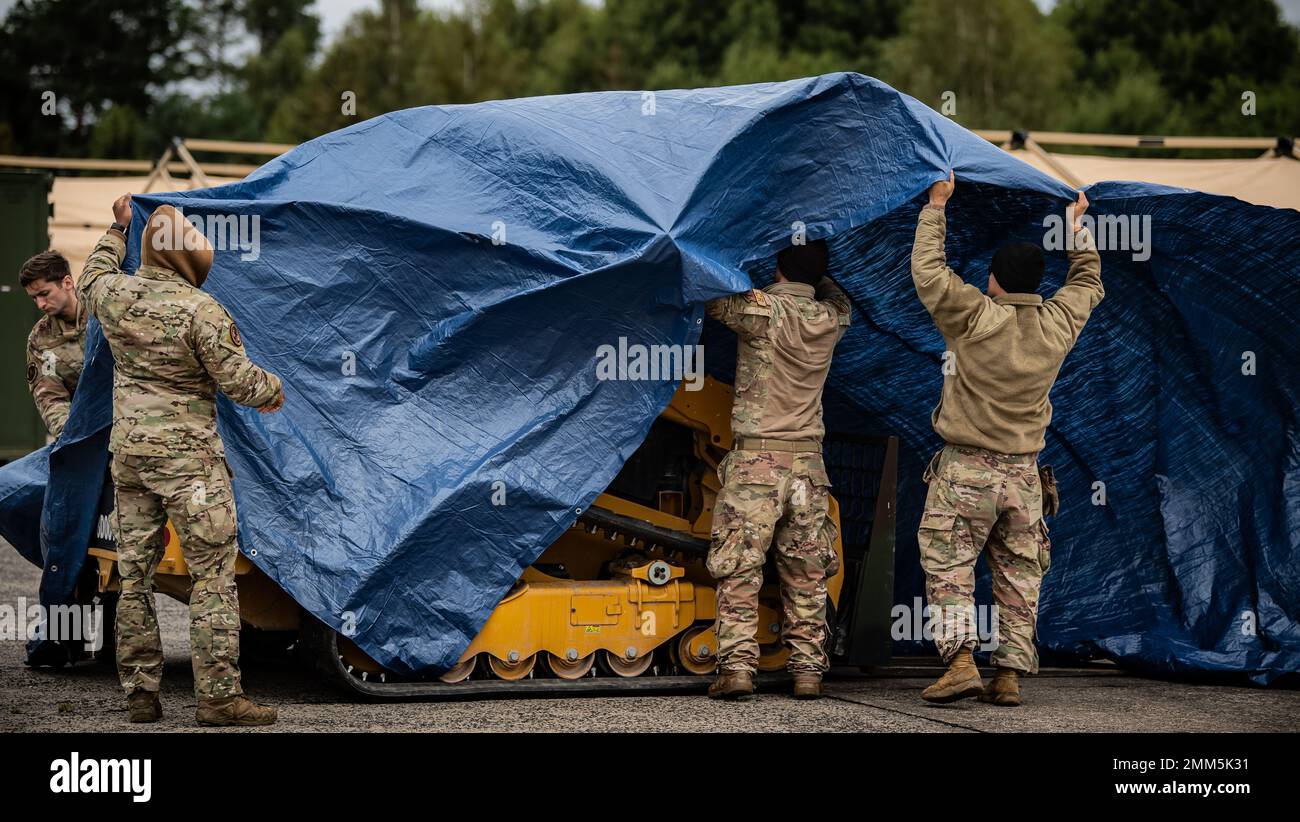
(175, 347)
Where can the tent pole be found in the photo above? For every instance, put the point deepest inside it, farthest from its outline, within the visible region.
(159, 171)
(196, 171)
(1061, 171)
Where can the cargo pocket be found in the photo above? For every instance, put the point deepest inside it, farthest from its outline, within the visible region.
(225, 636)
(813, 467)
(754, 468)
(1044, 547)
(212, 523)
(727, 553)
(938, 520)
(722, 467)
(212, 514)
(935, 539)
(827, 536)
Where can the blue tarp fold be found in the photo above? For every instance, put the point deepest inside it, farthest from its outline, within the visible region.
(433, 286)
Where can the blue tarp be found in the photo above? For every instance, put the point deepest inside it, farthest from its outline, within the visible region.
(433, 286)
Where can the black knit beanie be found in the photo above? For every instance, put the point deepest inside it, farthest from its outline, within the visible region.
(804, 263)
(1018, 267)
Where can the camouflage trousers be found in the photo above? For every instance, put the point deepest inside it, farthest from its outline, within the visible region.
(980, 499)
(781, 498)
(195, 494)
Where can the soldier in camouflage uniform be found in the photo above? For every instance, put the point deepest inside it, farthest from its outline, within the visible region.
(175, 347)
(58, 341)
(986, 491)
(774, 485)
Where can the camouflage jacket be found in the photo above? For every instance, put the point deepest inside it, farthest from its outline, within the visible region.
(175, 347)
(54, 352)
(786, 334)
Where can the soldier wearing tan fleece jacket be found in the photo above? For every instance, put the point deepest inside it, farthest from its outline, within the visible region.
(1007, 346)
(1004, 350)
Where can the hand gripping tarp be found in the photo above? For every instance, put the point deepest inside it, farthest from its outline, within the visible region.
(434, 284)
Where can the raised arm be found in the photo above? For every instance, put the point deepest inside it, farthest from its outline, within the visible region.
(955, 306)
(1073, 302)
(829, 291)
(745, 313)
(219, 347)
(107, 256)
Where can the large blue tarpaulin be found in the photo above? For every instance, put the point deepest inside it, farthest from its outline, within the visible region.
(434, 284)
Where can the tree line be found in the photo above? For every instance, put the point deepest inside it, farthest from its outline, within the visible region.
(118, 78)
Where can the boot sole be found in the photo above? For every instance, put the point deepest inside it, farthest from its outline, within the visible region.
(157, 715)
(974, 689)
(235, 724)
(732, 696)
(1005, 703)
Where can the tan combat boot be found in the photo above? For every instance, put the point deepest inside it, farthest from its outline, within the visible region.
(1004, 689)
(234, 710)
(961, 680)
(145, 706)
(732, 685)
(807, 686)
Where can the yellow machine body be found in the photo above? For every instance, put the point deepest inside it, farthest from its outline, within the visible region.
(597, 594)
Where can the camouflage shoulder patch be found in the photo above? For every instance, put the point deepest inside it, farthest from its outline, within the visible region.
(234, 335)
(31, 373)
(757, 302)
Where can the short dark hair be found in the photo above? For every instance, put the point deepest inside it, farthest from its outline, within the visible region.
(804, 263)
(1018, 267)
(48, 265)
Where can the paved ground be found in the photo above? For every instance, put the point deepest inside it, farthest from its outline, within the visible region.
(88, 699)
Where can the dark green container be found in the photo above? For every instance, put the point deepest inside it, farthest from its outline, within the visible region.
(24, 231)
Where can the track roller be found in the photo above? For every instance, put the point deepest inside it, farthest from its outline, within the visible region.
(565, 668)
(623, 665)
(511, 671)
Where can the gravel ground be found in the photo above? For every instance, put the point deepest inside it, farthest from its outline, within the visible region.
(87, 698)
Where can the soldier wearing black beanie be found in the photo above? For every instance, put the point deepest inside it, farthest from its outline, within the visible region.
(1003, 349)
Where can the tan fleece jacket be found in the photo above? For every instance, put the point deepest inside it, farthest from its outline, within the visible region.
(1005, 352)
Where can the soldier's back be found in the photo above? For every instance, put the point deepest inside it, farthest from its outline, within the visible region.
(164, 400)
(782, 364)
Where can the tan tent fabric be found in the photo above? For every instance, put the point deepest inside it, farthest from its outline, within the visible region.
(83, 209)
(1270, 181)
